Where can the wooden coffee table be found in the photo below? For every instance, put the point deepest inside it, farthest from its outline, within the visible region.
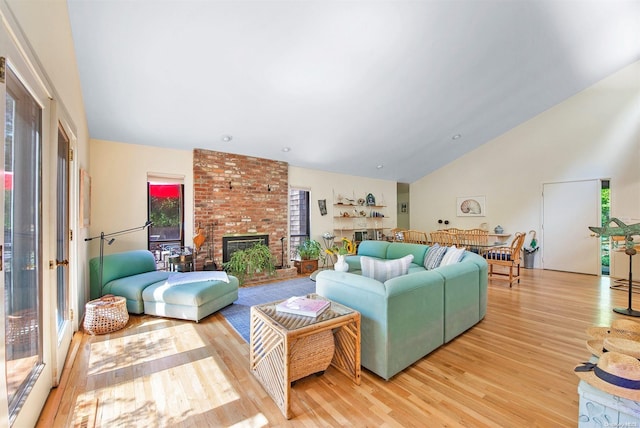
(287, 347)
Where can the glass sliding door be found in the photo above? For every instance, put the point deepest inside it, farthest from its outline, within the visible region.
(21, 249)
(62, 231)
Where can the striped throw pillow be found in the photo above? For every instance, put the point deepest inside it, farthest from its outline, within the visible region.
(434, 256)
(384, 270)
(452, 256)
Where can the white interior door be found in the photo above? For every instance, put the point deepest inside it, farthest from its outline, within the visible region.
(569, 208)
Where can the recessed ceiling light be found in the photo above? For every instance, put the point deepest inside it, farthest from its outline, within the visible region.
(456, 137)
(286, 149)
(380, 166)
(227, 138)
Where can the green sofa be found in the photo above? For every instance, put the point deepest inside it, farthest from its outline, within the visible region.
(133, 275)
(407, 317)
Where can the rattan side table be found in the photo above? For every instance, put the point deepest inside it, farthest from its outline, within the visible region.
(287, 347)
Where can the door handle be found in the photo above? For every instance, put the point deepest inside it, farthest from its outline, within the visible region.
(62, 262)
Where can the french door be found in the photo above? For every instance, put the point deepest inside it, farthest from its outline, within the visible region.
(21, 243)
(64, 327)
(27, 312)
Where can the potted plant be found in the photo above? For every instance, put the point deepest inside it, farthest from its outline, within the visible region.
(309, 251)
(252, 260)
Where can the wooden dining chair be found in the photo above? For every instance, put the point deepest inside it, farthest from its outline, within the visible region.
(397, 234)
(474, 240)
(415, 237)
(444, 238)
(507, 259)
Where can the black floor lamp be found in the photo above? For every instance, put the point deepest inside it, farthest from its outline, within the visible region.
(103, 236)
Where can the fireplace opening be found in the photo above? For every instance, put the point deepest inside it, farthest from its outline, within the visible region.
(231, 244)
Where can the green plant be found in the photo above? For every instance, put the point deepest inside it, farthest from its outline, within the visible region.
(252, 260)
(309, 249)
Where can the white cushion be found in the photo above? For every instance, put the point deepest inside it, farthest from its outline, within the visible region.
(384, 270)
(452, 256)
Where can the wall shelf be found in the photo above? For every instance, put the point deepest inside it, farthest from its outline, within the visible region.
(360, 222)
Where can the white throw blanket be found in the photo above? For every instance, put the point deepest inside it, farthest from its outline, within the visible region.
(199, 276)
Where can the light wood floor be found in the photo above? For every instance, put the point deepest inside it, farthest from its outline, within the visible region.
(513, 369)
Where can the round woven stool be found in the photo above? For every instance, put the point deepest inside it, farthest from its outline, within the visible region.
(106, 314)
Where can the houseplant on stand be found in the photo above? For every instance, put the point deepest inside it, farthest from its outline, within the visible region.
(309, 252)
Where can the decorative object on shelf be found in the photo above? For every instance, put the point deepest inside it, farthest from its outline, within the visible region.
(471, 206)
(628, 231)
(371, 200)
(498, 229)
(322, 203)
(361, 201)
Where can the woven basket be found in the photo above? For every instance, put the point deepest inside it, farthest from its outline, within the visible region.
(106, 314)
(311, 354)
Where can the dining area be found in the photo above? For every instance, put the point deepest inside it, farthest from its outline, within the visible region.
(503, 257)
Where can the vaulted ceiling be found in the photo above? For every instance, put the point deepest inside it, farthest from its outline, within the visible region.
(383, 89)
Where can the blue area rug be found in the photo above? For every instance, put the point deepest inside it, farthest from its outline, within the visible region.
(238, 313)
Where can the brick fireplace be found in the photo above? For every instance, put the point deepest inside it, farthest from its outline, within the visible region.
(244, 195)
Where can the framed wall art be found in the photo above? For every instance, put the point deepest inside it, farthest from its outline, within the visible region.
(322, 204)
(471, 206)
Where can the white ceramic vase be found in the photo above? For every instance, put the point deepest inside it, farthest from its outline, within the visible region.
(341, 265)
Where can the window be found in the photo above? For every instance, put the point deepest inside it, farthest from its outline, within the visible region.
(299, 225)
(166, 212)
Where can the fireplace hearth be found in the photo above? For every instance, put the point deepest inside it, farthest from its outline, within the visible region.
(233, 243)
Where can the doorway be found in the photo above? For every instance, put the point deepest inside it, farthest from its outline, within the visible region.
(605, 241)
(569, 208)
(403, 206)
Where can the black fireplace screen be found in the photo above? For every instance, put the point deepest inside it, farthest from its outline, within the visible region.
(231, 244)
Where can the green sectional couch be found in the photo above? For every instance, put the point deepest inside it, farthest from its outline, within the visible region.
(188, 295)
(409, 316)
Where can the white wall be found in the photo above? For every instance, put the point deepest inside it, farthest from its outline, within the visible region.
(327, 185)
(595, 134)
(119, 190)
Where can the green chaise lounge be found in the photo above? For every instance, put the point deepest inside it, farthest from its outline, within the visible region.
(188, 295)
